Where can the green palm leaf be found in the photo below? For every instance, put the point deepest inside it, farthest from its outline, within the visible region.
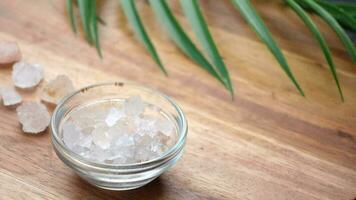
(347, 7)
(328, 18)
(133, 18)
(193, 13)
(84, 12)
(340, 14)
(319, 37)
(176, 32)
(330, 12)
(94, 26)
(71, 15)
(250, 14)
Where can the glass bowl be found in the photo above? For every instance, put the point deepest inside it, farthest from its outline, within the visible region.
(118, 176)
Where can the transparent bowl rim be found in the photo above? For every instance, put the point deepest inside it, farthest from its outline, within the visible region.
(182, 130)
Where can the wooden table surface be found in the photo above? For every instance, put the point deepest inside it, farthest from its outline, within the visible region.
(269, 143)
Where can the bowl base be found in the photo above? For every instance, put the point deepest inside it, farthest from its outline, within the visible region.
(118, 186)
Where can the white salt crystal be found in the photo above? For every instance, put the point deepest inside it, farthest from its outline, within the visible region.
(162, 138)
(56, 89)
(134, 106)
(75, 139)
(123, 148)
(157, 148)
(99, 115)
(100, 137)
(146, 124)
(86, 141)
(124, 126)
(85, 120)
(120, 132)
(125, 140)
(33, 116)
(98, 154)
(10, 96)
(120, 160)
(144, 149)
(72, 135)
(113, 116)
(165, 126)
(9, 52)
(25, 75)
(81, 151)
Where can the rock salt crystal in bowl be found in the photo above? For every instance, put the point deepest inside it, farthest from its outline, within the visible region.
(118, 136)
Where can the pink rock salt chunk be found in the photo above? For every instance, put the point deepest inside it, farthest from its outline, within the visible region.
(9, 52)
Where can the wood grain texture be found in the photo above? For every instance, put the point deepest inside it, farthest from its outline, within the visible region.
(270, 143)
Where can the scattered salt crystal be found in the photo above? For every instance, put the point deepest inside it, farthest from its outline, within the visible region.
(119, 132)
(9, 52)
(134, 106)
(56, 89)
(10, 96)
(25, 75)
(33, 116)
